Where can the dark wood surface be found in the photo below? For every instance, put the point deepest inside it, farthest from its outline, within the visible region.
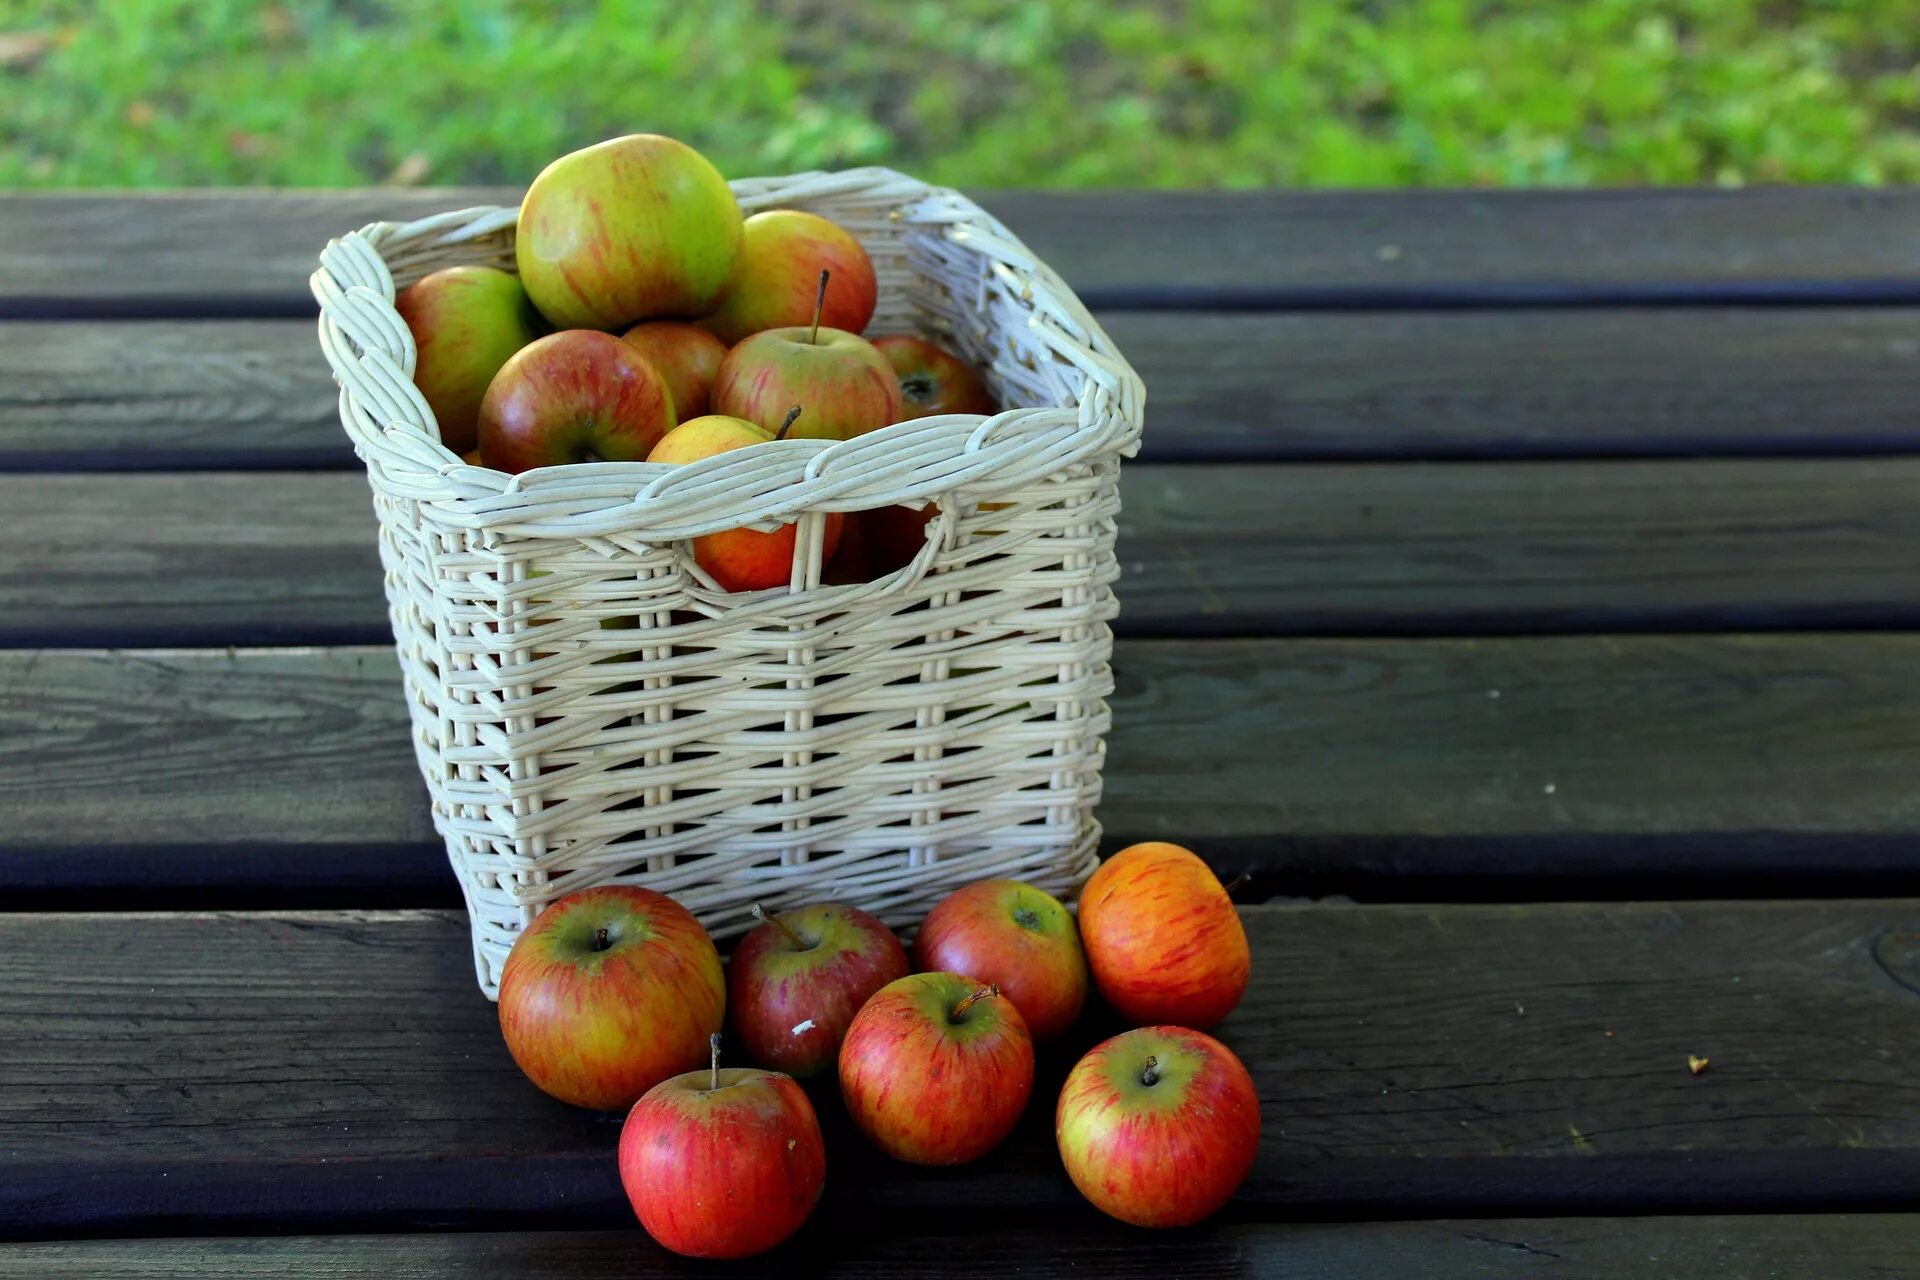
(1769, 1247)
(1725, 763)
(1384, 409)
(183, 1071)
(249, 253)
(208, 558)
(134, 395)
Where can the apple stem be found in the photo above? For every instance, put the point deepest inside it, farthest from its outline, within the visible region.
(713, 1078)
(1238, 883)
(600, 942)
(819, 304)
(786, 930)
(1149, 1070)
(792, 415)
(991, 989)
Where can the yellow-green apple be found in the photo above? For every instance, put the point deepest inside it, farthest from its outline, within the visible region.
(848, 388)
(607, 993)
(795, 982)
(722, 1163)
(627, 230)
(1162, 937)
(574, 396)
(685, 355)
(738, 559)
(932, 379)
(782, 253)
(1016, 937)
(466, 322)
(1158, 1126)
(936, 1068)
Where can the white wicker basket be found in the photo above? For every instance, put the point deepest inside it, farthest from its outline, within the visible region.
(587, 707)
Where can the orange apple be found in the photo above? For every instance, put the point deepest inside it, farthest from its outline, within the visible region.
(738, 559)
(686, 357)
(782, 253)
(932, 379)
(1163, 939)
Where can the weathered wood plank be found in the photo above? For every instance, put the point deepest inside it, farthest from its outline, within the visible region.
(1273, 549)
(186, 1070)
(132, 395)
(1346, 765)
(250, 252)
(1832, 1246)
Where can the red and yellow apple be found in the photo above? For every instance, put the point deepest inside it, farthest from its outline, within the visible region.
(1016, 937)
(630, 229)
(738, 559)
(573, 396)
(607, 993)
(795, 982)
(723, 1163)
(1159, 1126)
(782, 253)
(847, 387)
(1162, 938)
(466, 323)
(932, 379)
(936, 1068)
(686, 357)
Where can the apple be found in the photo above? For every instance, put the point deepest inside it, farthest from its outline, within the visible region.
(1016, 937)
(739, 559)
(936, 1068)
(848, 388)
(607, 993)
(895, 535)
(629, 229)
(466, 322)
(795, 982)
(782, 253)
(722, 1164)
(1163, 939)
(1158, 1126)
(573, 396)
(932, 379)
(685, 356)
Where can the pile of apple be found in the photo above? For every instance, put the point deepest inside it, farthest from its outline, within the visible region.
(731, 332)
(613, 995)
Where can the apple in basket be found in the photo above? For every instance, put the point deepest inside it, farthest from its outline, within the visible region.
(936, 1068)
(848, 388)
(1158, 1126)
(932, 379)
(466, 323)
(630, 229)
(723, 1163)
(795, 982)
(782, 253)
(740, 559)
(1017, 937)
(1163, 938)
(607, 993)
(685, 356)
(573, 396)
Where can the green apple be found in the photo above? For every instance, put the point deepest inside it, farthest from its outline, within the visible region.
(466, 322)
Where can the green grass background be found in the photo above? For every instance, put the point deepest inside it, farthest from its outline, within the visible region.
(1078, 93)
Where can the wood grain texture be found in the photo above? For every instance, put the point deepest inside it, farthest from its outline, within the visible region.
(250, 252)
(1272, 549)
(133, 395)
(1754, 762)
(170, 1072)
(1831, 1246)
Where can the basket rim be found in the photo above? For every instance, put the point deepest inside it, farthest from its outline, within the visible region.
(372, 355)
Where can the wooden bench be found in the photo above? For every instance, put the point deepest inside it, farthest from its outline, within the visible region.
(1524, 588)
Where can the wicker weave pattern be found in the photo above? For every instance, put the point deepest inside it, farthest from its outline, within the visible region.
(588, 707)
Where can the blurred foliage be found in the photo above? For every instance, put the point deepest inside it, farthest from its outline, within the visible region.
(971, 92)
